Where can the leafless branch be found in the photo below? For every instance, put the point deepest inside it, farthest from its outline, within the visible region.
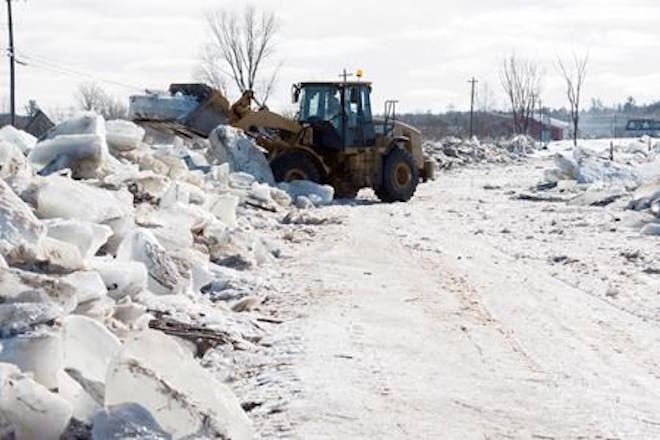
(521, 81)
(574, 76)
(240, 47)
(91, 97)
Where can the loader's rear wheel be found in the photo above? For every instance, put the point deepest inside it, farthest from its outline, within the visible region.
(295, 166)
(400, 177)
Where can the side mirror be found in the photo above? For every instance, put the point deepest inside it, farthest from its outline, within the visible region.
(295, 94)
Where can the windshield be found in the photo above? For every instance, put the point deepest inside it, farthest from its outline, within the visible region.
(320, 103)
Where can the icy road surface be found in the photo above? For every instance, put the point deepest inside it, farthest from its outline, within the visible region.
(467, 314)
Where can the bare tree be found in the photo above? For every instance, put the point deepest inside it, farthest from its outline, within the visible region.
(521, 80)
(91, 97)
(241, 46)
(574, 76)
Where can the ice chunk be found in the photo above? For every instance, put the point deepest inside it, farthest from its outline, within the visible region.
(261, 192)
(322, 194)
(142, 246)
(201, 276)
(35, 412)
(232, 146)
(99, 309)
(89, 285)
(88, 347)
(282, 198)
(57, 256)
(155, 372)
(241, 180)
(39, 353)
(91, 204)
(82, 404)
(161, 107)
(176, 193)
(82, 123)
(17, 285)
(82, 153)
(120, 278)
(231, 248)
(123, 135)
(303, 202)
(127, 421)
(18, 138)
(17, 318)
(645, 196)
(87, 237)
(12, 161)
(129, 312)
(182, 192)
(224, 208)
(18, 225)
(219, 175)
(197, 161)
(651, 229)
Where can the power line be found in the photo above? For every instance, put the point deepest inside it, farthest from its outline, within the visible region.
(49, 64)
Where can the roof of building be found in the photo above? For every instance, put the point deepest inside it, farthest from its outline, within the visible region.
(37, 125)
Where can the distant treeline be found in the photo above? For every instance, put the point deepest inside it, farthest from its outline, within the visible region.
(597, 120)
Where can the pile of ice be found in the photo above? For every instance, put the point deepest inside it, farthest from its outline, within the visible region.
(623, 173)
(452, 152)
(102, 234)
(585, 167)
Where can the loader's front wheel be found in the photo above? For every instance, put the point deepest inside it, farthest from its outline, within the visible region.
(400, 177)
(295, 166)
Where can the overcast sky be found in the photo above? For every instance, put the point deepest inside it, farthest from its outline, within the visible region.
(420, 52)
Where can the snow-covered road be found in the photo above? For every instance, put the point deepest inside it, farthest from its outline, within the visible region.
(470, 314)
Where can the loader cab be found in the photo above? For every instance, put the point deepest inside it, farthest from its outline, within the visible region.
(339, 113)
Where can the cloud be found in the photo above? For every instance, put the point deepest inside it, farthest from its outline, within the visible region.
(422, 55)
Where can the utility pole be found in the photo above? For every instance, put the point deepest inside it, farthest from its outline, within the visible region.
(541, 120)
(12, 65)
(474, 82)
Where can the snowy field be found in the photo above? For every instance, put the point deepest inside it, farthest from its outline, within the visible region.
(469, 313)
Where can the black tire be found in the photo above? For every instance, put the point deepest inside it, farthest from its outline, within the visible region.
(346, 193)
(295, 166)
(400, 177)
